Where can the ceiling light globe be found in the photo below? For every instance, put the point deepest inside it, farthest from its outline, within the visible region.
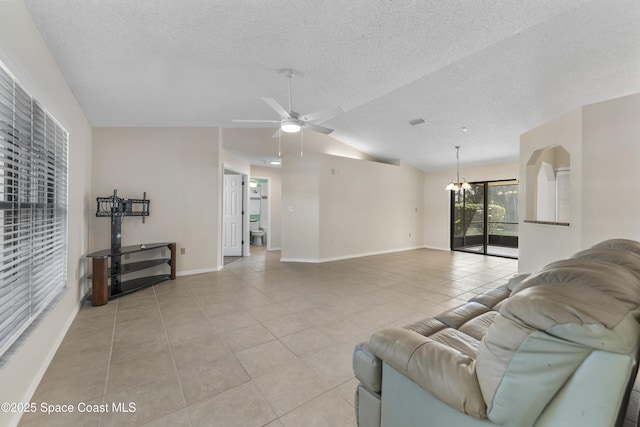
(290, 126)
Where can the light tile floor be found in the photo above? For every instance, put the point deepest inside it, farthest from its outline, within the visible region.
(259, 343)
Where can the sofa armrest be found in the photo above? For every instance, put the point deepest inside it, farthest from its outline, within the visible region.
(442, 371)
(367, 367)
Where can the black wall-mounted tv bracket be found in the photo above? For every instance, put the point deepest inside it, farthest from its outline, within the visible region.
(117, 208)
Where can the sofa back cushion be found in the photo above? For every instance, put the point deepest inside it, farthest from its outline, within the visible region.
(548, 326)
(623, 244)
(629, 260)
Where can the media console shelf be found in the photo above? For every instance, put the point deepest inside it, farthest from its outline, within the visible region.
(107, 266)
(107, 271)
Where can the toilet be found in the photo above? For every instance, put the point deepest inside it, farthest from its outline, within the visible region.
(257, 234)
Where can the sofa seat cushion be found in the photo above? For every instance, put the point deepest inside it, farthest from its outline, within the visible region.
(458, 340)
(478, 326)
(438, 353)
(460, 315)
(427, 326)
(492, 297)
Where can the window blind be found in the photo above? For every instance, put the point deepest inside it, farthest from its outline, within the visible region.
(33, 209)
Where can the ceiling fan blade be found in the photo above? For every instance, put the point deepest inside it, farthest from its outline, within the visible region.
(317, 128)
(276, 106)
(322, 116)
(254, 121)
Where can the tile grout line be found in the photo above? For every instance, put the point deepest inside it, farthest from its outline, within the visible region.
(173, 360)
(206, 315)
(315, 398)
(106, 381)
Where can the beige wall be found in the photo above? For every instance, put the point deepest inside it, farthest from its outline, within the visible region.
(275, 203)
(540, 243)
(602, 140)
(23, 51)
(259, 144)
(180, 171)
(234, 162)
(336, 207)
(611, 172)
(437, 202)
(301, 208)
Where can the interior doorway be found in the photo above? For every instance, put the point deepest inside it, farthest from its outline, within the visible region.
(484, 219)
(232, 214)
(260, 212)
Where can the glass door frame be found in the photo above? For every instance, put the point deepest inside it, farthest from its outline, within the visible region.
(485, 241)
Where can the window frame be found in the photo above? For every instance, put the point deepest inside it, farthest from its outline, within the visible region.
(34, 170)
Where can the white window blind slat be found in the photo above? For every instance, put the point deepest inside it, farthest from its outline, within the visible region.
(33, 208)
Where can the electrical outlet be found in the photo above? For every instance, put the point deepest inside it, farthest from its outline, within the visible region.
(182, 251)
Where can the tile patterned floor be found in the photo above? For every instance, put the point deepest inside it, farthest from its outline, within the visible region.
(260, 343)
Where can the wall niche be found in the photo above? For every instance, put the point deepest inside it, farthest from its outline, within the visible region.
(548, 186)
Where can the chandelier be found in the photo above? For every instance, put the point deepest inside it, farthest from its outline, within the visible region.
(458, 185)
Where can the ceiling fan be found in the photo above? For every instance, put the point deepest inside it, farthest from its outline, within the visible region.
(291, 121)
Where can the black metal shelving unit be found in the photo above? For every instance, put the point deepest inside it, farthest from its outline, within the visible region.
(108, 268)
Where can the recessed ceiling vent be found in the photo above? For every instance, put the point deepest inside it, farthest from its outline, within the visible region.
(416, 122)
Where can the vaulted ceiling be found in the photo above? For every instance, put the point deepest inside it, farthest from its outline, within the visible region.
(495, 67)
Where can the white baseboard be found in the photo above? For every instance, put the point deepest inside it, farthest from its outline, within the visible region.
(437, 248)
(198, 271)
(343, 257)
(307, 260)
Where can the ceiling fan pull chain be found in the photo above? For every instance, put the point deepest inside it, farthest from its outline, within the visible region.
(290, 103)
(301, 139)
(279, 143)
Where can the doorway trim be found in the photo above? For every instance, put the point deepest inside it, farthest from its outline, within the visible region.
(245, 217)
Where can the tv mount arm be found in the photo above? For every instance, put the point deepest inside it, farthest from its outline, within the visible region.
(117, 208)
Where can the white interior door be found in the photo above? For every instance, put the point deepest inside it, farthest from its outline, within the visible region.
(232, 216)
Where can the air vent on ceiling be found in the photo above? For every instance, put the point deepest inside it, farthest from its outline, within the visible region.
(416, 122)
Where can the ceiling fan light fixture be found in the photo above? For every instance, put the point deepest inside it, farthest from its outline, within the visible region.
(290, 126)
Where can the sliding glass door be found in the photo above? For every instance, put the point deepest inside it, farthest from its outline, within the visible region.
(484, 219)
(468, 219)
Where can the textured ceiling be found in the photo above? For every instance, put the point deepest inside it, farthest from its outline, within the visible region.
(496, 67)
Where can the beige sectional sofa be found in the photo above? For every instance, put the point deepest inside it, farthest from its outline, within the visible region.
(558, 347)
